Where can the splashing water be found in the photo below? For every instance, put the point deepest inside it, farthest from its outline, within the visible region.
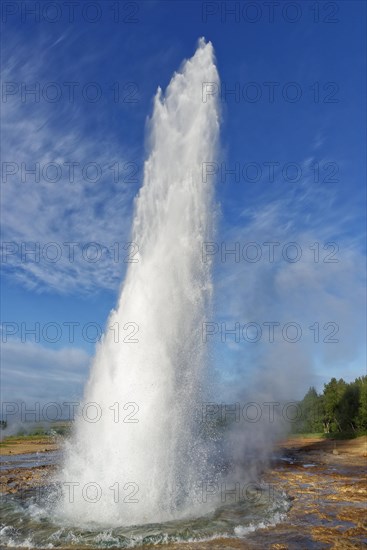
(128, 464)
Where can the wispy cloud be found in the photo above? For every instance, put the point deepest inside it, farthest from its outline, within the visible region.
(94, 205)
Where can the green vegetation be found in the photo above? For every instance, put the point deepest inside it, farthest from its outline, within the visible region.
(11, 439)
(55, 428)
(339, 412)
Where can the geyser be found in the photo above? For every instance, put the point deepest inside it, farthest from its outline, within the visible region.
(125, 467)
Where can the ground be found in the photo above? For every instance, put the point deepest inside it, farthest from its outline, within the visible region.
(325, 480)
(27, 444)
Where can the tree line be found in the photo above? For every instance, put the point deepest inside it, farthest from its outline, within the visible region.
(341, 407)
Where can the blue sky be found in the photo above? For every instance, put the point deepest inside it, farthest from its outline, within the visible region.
(311, 131)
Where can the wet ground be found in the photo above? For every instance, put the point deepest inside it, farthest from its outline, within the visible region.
(26, 462)
(324, 480)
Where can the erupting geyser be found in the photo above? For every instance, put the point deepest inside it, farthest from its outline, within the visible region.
(125, 468)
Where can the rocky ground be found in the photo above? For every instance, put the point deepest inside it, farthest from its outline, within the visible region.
(326, 481)
(16, 479)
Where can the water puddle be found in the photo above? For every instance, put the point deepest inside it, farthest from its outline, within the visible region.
(29, 460)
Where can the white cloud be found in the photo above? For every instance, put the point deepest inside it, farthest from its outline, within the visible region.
(34, 373)
(61, 211)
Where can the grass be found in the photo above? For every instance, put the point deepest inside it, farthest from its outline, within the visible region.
(308, 435)
(21, 438)
(333, 435)
(345, 435)
(59, 428)
(26, 437)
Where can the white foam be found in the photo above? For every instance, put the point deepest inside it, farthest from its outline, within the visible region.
(243, 530)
